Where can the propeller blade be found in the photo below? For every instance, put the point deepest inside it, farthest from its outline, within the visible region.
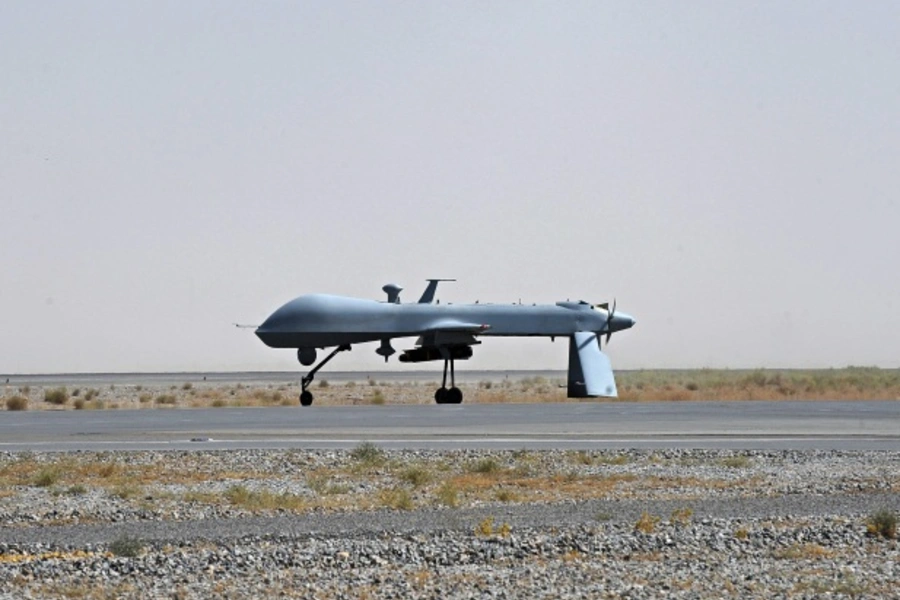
(609, 317)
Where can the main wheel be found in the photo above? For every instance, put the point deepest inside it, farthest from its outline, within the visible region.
(440, 396)
(306, 398)
(454, 396)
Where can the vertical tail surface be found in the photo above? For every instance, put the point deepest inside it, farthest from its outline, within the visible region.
(590, 372)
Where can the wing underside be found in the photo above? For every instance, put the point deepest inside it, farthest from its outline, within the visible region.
(450, 333)
(457, 326)
(444, 340)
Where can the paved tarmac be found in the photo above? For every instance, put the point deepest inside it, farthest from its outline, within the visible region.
(824, 425)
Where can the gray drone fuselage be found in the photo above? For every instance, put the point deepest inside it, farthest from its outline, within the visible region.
(321, 320)
(445, 331)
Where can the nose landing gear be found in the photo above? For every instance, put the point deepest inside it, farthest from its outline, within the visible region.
(306, 397)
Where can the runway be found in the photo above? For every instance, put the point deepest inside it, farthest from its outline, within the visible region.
(824, 425)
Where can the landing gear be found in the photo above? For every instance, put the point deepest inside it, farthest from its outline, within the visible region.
(453, 395)
(306, 397)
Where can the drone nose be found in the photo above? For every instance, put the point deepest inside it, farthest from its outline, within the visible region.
(623, 321)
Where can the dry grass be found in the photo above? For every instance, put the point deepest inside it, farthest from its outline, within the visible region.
(808, 551)
(125, 491)
(508, 485)
(736, 462)
(847, 586)
(852, 383)
(416, 475)
(53, 555)
(56, 396)
(264, 500)
(377, 397)
(367, 453)
(126, 546)
(47, 476)
(362, 479)
(506, 495)
(396, 498)
(882, 523)
(447, 495)
(572, 555)
(447, 480)
(166, 399)
(646, 523)
(486, 528)
(485, 466)
(113, 476)
(681, 516)
(85, 591)
(323, 484)
(16, 403)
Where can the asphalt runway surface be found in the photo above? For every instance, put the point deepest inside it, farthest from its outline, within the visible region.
(822, 425)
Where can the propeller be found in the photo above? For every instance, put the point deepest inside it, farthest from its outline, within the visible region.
(609, 316)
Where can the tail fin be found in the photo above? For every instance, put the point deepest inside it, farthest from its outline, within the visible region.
(590, 372)
(428, 294)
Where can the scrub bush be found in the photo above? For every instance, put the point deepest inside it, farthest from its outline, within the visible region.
(17, 403)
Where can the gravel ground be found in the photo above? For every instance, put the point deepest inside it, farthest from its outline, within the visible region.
(554, 524)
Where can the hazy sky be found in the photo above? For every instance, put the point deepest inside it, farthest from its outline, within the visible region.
(729, 171)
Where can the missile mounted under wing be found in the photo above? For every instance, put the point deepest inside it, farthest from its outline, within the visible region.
(444, 332)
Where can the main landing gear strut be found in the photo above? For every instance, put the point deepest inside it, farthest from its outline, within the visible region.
(453, 395)
(306, 397)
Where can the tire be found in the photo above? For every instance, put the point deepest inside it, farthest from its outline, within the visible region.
(454, 396)
(306, 398)
(440, 396)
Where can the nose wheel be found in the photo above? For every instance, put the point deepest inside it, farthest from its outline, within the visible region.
(306, 397)
(453, 395)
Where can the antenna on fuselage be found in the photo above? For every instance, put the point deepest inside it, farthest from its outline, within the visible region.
(428, 294)
(393, 293)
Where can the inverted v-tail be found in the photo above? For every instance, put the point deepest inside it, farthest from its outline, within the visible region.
(428, 294)
(590, 372)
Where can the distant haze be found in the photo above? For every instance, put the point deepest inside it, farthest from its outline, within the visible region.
(728, 171)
